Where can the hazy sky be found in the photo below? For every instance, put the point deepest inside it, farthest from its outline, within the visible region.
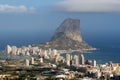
(90, 5)
(31, 21)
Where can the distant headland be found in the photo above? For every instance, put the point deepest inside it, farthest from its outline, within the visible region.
(67, 37)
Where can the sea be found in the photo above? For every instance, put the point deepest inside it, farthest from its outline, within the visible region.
(107, 50)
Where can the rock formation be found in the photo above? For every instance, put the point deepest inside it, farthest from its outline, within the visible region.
(69, 28)
(67, 36)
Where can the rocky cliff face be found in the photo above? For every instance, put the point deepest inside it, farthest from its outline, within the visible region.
(69, 28)
(67, 36)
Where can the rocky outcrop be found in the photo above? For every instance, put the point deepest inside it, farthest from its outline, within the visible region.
(69, 28)
(66, 37)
